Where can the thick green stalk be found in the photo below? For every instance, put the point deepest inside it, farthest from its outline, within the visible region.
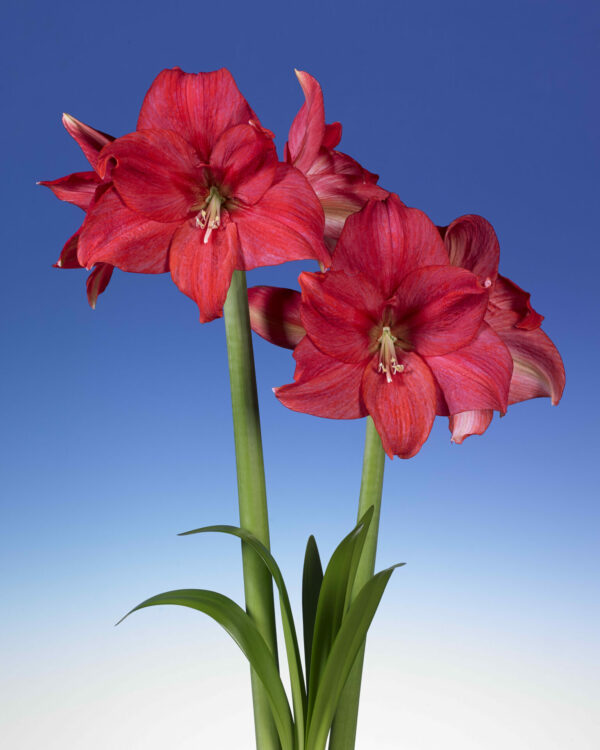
(252, 496)
(343, 731)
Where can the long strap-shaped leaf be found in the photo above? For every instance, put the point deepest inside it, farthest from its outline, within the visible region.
(312, 578)
(346, 646)
(334, 600)
(242, 629)
(287, 620)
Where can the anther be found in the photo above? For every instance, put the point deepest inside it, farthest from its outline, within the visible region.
(209, 216)
(388, 362)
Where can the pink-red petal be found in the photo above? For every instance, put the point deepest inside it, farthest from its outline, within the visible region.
(341, 314)
(203, 270)
(403, 410)
(386, 241)
(308, 128)
(286, 224)
(97, 282)
(68, 255)
(113, 233)
(90, 140)
(275, 315)
(246, 162)
(476, 376)
(510, 305)
(197, 106)
(324, 387)
(472, 244)
(332, 135)
(77, 188)
(341, 196)
(438, 309)
(538, 367)
(157, 173)
(468, 423)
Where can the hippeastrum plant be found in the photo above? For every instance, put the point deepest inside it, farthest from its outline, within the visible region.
(410, 321)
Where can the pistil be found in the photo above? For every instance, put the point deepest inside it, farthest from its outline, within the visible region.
(209, 217)
(387, 354)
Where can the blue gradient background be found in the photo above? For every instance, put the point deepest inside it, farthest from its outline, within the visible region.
(117, 427)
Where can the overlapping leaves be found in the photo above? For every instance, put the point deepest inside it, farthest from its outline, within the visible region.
(335, 628)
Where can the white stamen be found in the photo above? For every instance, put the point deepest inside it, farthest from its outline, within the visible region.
(209, 217)
(388, 362)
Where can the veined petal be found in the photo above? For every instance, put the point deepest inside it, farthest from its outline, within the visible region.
(308, 128)
(538, 367)
(344, 164)
(68, 255)
(340, 313)
(157, 173)
(324, 387)
(340, 196)
(90, 140)
(197, 106)
(203, 270)
(332, 135)
(386, 241)
(468, 423)
(97, 282)
(113, 233)
(404, 409)
(246, 161)
(286, 223)
(476, 376)
(472, 244)
(508, 300)
(275, 315)
(77, 188)
(438, 309)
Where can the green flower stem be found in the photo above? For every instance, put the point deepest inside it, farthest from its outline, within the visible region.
(343, 730)
(258, 585)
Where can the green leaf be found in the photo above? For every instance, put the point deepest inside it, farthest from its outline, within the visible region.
(312, 577)
(350, 638)
(244, 632)
(287, 620)
(334, 599)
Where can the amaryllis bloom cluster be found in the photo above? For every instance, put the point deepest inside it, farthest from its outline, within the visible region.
(395, 331)
(405, 322)
(341, 184)
(198, 190)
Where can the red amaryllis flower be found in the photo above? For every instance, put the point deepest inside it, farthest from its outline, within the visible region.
(537, 366)
(80, 188)
(342, 185)
(392, 330)
(198, 190)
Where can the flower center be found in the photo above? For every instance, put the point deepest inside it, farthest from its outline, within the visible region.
(209, 216)
(387, 354)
